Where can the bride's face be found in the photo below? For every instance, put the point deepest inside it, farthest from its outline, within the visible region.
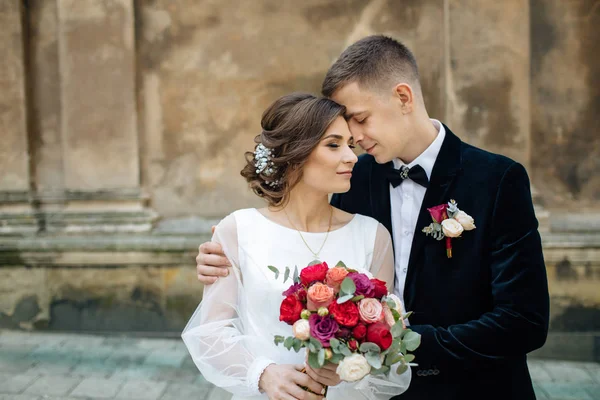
(329, 166)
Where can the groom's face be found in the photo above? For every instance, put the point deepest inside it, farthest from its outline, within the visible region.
(375, 120)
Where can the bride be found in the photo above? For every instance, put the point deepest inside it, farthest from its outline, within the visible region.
(303, 154)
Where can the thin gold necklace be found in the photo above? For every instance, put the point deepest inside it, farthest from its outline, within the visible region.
(316, 255)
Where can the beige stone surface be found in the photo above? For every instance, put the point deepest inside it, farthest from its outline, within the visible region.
(209, 72)
(45, 128)
(14, 160)
(565, 77)
(487, 74)
(97, 87)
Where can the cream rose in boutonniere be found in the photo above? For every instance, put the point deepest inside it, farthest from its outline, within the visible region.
(448, 222)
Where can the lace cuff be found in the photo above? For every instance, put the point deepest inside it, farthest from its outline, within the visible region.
(255, 371)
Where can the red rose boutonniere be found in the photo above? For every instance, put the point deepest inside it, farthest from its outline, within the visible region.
(448, 222)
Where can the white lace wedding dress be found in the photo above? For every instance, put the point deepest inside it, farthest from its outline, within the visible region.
(230, 335)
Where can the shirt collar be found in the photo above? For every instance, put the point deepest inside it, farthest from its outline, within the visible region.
(427, 158)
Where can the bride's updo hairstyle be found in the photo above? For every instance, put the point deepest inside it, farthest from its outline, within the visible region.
(291, 129)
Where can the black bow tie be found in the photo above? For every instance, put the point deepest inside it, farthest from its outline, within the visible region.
(416, 174)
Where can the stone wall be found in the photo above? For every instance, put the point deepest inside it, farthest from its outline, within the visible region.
(123, 125)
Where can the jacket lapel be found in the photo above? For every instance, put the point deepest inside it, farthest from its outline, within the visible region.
(379, 188)
(445, 170)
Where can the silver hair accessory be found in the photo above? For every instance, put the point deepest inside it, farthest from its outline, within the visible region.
(263, 163)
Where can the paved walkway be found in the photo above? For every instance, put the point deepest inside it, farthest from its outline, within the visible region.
(35, 366)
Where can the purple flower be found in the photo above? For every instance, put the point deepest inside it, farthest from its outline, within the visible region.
(295, 288)
(322, 328)
(363, 284)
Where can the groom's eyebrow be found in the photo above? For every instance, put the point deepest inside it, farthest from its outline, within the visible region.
(348, 116)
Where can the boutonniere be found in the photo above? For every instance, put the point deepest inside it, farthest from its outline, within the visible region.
(448, 222)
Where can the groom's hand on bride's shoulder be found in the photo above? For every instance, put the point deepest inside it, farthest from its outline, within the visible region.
(211, 263)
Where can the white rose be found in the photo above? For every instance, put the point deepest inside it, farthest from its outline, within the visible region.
(353, 368)
(398, 302)
(301, 329)
(467, 222)
(452, 228)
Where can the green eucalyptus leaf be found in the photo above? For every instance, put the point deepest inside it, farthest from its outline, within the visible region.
(409, 358)
(373, 359)
(312, 348)
(368, 346)
(278, 339)
(297, 344)
(321, 358)
(412, 340)
(358, 298)
(392, 359)
(341, 264)
(286, 275)
(314, 262)
(396, 314)
(348, 286)
(402, 368)
(403, 348)
(275, 271)
(334, 343)
(296, 275)
(407, 315)
(345, 350)
(345, 298)
(397, 329)
(288, 342)
(380, 371)
(316, 343)
(336, 358)
(313, 360)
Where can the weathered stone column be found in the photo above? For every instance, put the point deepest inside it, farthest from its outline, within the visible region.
(98, 117)
(488, 77)
(15, 213)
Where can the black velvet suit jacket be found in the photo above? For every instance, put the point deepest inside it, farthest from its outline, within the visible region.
(480, 312)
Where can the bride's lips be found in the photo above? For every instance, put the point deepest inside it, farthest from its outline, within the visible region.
(347, 174)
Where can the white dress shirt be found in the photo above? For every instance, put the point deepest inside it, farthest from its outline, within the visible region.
(406, 200)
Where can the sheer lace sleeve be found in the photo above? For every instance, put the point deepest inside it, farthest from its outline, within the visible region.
(382, 265)
(215, 334)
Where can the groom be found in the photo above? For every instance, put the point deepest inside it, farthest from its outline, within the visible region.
(480, 312)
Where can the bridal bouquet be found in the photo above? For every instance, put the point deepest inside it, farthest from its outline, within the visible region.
(344, 317)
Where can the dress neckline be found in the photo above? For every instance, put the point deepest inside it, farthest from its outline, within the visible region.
(354, 217)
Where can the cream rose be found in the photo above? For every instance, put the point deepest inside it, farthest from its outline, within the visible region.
(452, 228)
(353, 368)
(398, 302)
(467, 222)
(301, 329)
(370, 310)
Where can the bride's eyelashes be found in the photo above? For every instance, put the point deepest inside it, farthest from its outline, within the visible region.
(335, 145)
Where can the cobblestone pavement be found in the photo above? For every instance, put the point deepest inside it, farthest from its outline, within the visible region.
(35, 366)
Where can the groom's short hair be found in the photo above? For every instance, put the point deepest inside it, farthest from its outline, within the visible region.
(373, 62)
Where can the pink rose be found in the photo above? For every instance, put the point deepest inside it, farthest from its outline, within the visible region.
(370, 310)
(319, 295)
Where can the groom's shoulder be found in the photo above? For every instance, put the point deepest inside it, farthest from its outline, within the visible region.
(483, 162)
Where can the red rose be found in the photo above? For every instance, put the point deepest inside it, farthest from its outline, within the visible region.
(352, 345)
(290, 310)
(313, 273)
(380, 288)
(359, 332)
(301, 295)
(379, 333)
(345, 314)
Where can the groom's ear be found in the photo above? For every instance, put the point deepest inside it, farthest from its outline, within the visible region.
(405, 96)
